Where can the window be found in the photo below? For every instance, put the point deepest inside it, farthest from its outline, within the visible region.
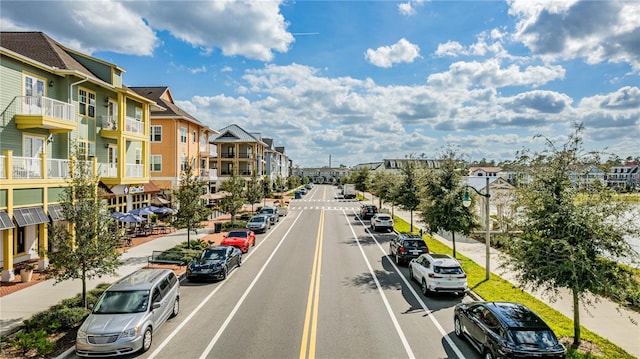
(203, 141)
(183, 163)
(33, 86)
(156, 133)
(194, 137)
(86, 103)
(155, 163)
(20, 242)
(138, 155)
(138, 113)
(32, 146)
(183, 135)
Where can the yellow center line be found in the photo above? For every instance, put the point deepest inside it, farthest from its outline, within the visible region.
(311, 314)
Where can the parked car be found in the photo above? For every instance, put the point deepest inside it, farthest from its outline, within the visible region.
(215, 263)
(240, 238)
(438, 273)
(381, 221)
(308, 186)
(407, 246)
(128, 313)
(271, 212)
(367, 211)
(506, 330)
(259, 223)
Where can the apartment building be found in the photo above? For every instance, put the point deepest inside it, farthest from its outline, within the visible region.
(53, 99)
(175, 138)
(238, 152)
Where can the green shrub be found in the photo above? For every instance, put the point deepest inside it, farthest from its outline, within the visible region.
(56, 318)
(34, 340)
(227, 226)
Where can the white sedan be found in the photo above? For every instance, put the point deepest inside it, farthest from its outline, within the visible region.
(438, 273)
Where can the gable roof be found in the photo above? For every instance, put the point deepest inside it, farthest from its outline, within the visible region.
(162, 96)
(235, 133)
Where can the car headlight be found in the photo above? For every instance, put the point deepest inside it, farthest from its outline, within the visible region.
(130, 333)
(81, 334)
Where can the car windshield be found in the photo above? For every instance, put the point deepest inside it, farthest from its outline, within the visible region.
(541, 338)
(266, 210)
(447, 270)
(123, 302)
(257, 219)
(237, 234)
(213, 254)
(415, 244)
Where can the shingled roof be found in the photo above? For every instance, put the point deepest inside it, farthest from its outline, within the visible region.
(162, 96)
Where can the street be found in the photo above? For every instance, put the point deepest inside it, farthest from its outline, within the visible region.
(318, 284)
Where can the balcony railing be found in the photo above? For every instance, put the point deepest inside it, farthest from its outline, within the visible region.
(109, 123)
(213, 151)
(133, 170)
(27, 167)
(245, 155)
(58, 168)
(228, 155)
(44, 106)
(134, 126)
(107, 169)
(3, 175)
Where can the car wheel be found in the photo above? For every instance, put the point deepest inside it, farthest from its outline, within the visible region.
(225, 272)
(254, 243)
(240, 259)
(176, 307)
(147, 339)
(425, 289)
(488, 354)
(411, 274)
(398, 260)
(457, 327)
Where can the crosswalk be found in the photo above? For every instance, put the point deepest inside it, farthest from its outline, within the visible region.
(326, 208)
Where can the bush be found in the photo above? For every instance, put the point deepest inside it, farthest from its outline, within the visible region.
(227, 226)
(56, 318)
(34, 340)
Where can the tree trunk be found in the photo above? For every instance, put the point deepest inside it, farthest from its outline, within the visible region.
(411, 215)
(576, 319)
(453, 239)
(84, 289)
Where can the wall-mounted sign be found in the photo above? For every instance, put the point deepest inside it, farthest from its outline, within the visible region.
(134, 189)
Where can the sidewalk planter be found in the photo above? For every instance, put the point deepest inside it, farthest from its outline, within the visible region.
(26, 274)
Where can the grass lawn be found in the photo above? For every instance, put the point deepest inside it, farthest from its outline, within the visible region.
(498, 289)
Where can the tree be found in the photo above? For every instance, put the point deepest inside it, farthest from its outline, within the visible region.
(570, 235)
(384, 184)
(361, 179)
(441, 206)
(255, 191)
(293, 182)
(191, 211)
(235, 199)
(407, 191)
(85, 243)
(267, 189)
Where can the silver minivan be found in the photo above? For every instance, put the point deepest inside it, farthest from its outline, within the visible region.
(128, 313)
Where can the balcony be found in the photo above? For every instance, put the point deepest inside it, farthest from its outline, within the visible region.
(27, 168)
(245, 155)
(109, 125)
(108, 169)
(133, 125)
(58, 168)
(208, 174)
(47, 113)
(133, 170)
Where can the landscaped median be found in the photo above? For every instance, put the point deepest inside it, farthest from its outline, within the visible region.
(498, 289)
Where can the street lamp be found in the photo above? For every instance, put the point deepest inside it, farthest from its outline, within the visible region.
(466, 201)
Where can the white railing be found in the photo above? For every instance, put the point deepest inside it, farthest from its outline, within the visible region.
(133, 170)
(109, 123)
(134, 126)
(57, 168)
(107, 169)
(213, 174)
(44, 106)
(2, 172)
(213, 151)
(27, 167)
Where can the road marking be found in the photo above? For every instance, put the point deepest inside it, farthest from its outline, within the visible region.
(403, 338)
(235, 309)
(313, 300)
(435, 322)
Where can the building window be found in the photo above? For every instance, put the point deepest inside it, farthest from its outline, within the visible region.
(194, 137)
(156, 134)
(20, 241)
(183, 135)
(203, 141)
(138, 113)
(183, 163)
(86, 103)
(155, 163)
(138, 157)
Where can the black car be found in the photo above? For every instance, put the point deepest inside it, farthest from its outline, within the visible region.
(506, 330)
(367, 211)
(406, 246)
(214, 263)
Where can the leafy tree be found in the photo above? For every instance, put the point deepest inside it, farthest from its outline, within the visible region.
(267, 190)
(85, 244)
(361, 179)
(191, 211)
(293, 182)
(235, 199)
(407, 191)
(442, 207)
(570, 235)
(255, 191)
(384, 183)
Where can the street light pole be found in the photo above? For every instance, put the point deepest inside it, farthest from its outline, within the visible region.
(487, 239)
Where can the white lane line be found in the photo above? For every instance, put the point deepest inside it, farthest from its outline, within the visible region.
(206, 300)
(235, 309)
(403, 338)
(418, 298)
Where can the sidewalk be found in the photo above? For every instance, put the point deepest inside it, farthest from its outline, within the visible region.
(22, 304)
(620, 325)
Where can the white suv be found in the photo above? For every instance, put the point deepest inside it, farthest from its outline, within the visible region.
(381, 221)
(438, 273)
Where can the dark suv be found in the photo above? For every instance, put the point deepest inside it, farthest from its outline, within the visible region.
(407, 246)
(367, 211)
(506, 330)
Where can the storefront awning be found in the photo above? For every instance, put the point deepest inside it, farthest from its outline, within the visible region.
(29, 216)
(159, 201)
(55, 212)
(5, 220)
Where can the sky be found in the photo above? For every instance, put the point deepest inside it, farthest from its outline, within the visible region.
(350, 82)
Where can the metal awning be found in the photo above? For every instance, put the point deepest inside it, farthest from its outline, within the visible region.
(55, 212)
(5, 220)
(29, 216)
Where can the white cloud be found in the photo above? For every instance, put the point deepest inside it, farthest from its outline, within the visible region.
(406, 9)
(387, 56)
(598, 31)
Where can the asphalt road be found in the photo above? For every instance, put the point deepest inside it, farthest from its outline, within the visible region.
(318, 284)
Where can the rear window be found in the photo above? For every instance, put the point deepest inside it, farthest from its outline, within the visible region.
(414, 243)
(237, 234)
(541, 338)
(384, 218)
(447, 270)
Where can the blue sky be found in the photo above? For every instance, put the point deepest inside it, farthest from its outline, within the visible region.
(367, 80)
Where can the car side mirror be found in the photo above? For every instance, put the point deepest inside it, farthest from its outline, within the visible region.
(156, 305)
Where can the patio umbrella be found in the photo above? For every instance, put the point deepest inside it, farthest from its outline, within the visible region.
(152, 208)
(130, 218)
(144, 211)
(117, 214)
(165, 210)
